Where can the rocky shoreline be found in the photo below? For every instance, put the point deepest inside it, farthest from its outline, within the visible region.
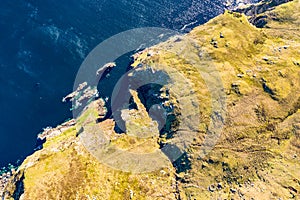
(48, 133)
(4, 180)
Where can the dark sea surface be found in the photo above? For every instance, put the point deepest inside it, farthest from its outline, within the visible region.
(43, 43)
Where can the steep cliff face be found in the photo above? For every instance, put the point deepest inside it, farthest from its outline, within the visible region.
(226, 82)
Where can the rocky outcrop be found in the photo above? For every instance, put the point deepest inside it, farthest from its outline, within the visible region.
(263, 6)
(83, 95)
(4, 179)
(50, 132)
(254, 11)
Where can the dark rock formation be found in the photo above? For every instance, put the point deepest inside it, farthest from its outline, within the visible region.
(255, 11)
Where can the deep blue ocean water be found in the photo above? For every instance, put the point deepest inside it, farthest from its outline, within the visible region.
(43, 43)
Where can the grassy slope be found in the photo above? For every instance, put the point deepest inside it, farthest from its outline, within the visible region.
(257, 145)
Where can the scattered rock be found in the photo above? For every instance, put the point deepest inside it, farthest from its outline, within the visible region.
(212, 188)
(219, 186)
(296, 63)
(280, 73)
(286, 47)
(292, 189)
(221, 35)
(214, 43)
(163, 172)
(236, 88)
(265, 58)
(240, 75)
(232, 190)
(241, 195)
(295, 156)
(131, 194)
(150, 53)
(279, 49)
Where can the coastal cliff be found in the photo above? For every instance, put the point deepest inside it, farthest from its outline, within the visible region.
(257, 105)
